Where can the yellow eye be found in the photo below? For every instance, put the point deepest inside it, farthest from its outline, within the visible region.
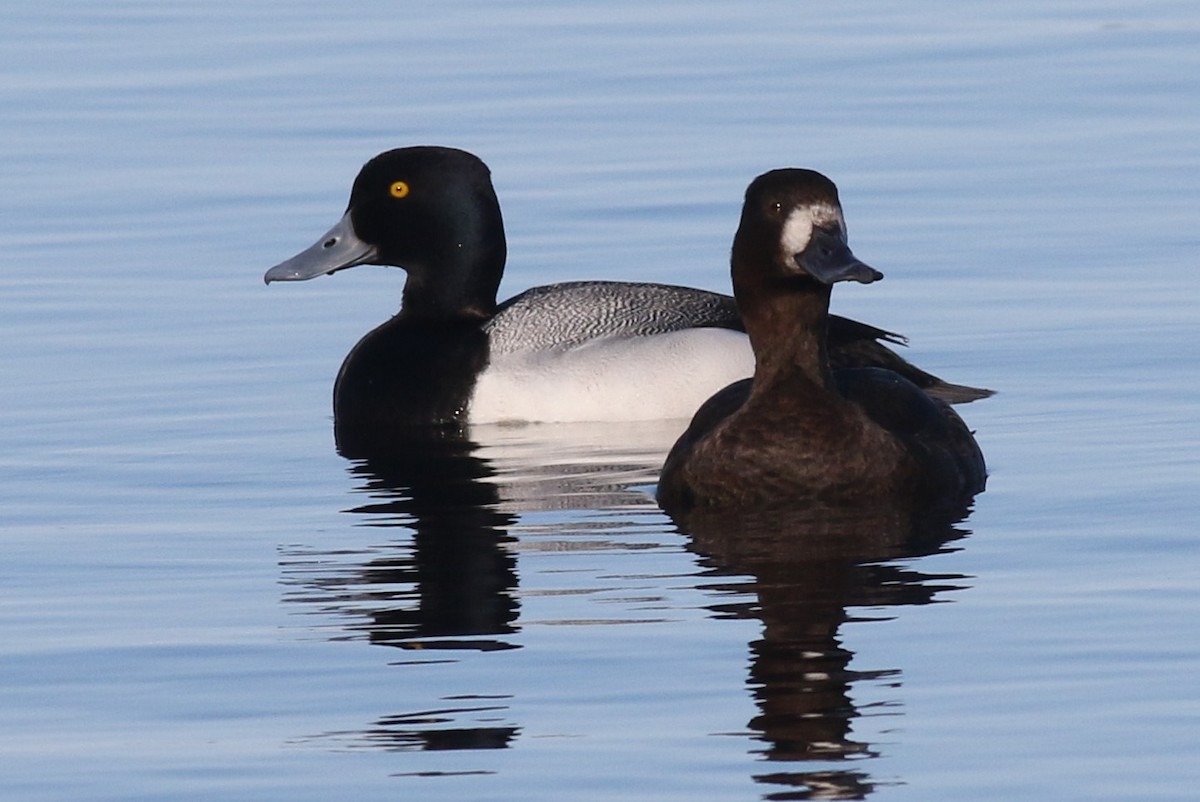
(399, 189)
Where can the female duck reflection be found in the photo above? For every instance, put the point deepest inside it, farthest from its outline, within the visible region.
(807, 569)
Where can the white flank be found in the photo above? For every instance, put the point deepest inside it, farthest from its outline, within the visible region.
(613, 379)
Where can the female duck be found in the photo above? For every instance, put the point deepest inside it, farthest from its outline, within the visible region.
(578, 351)
(797, 429)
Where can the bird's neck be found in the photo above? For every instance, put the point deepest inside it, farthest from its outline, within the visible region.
(459, 280)
(786, 319)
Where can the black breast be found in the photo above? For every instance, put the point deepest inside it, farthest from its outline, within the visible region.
(403, 379)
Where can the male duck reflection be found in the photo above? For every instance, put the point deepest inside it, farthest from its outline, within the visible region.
(797, 428)
(579, 351)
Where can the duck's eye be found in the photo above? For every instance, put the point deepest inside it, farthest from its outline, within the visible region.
(399, 189)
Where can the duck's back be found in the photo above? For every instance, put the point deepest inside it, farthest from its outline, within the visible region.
(950, 461)
(570, 314)
(608, 351)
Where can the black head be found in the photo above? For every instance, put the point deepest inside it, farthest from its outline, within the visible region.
(430, 210)
(417, 205)
(792, 229)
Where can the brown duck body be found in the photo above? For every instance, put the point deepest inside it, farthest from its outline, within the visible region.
(798, 429)
(748, 449)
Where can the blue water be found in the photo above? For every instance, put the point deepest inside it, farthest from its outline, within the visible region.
(200, 600)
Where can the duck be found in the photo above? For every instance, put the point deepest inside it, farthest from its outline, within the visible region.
(800, 430)
(455, 356)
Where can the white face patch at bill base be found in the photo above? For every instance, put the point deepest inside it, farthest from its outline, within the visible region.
(798, 228)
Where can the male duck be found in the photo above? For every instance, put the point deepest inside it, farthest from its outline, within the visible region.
(591, 350)
(797, 429)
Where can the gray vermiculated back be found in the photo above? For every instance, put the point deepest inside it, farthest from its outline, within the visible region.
(569, 314)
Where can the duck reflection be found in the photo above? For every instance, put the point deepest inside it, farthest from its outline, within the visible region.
(809, 568)
(458, 562)
(448, 580)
